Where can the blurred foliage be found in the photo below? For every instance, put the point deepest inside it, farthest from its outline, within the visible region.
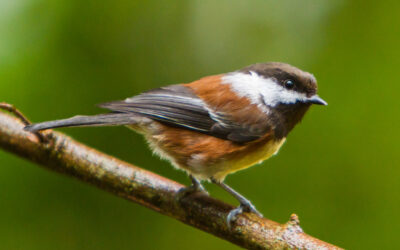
(339, 170)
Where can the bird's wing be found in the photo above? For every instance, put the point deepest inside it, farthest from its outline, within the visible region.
(178, 106)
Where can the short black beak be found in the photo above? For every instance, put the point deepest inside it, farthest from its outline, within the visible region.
(316, 100)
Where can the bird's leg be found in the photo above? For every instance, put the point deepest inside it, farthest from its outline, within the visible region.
(245, 204)
(194, 188)
(196, 184)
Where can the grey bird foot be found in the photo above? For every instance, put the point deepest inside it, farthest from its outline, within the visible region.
(245, 207)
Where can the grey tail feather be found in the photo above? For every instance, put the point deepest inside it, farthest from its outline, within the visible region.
(111, 119)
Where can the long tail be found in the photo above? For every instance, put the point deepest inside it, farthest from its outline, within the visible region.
(111, 119)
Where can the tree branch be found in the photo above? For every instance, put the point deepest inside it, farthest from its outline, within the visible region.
(63, 154)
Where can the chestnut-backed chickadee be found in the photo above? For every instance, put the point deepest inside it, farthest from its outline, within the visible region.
(216, 125)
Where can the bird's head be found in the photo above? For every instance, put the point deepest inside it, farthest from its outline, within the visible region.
(272, 84)
(278, 89)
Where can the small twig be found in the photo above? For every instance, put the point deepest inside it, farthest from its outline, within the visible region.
(12, 109)
(150, 190)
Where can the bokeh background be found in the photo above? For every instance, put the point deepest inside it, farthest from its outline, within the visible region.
(339, 170)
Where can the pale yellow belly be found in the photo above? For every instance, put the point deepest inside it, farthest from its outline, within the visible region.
(220, 171)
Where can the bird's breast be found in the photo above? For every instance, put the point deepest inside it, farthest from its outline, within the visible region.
(248, 157)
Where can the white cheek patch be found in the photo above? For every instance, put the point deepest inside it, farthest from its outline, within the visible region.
(255, 87)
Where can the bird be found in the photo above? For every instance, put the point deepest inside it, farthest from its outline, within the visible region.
(216, 125)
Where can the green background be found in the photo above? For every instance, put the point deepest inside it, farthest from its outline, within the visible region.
(339, 169)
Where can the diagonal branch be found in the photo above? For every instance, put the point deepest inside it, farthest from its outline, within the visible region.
(70, 157)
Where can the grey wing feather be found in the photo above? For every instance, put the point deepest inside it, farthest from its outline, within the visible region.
(174, 105)
(178, 106)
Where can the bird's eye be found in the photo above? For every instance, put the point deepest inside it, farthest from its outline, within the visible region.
(289, 84)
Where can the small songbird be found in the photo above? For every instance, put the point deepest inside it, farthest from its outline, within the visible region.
(216, 125)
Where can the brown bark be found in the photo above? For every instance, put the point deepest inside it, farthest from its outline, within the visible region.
(63, 154)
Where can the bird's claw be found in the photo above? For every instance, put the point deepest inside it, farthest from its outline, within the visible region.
(232, 216)
(246, 207)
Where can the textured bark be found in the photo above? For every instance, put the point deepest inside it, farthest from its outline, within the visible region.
(62, 154)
